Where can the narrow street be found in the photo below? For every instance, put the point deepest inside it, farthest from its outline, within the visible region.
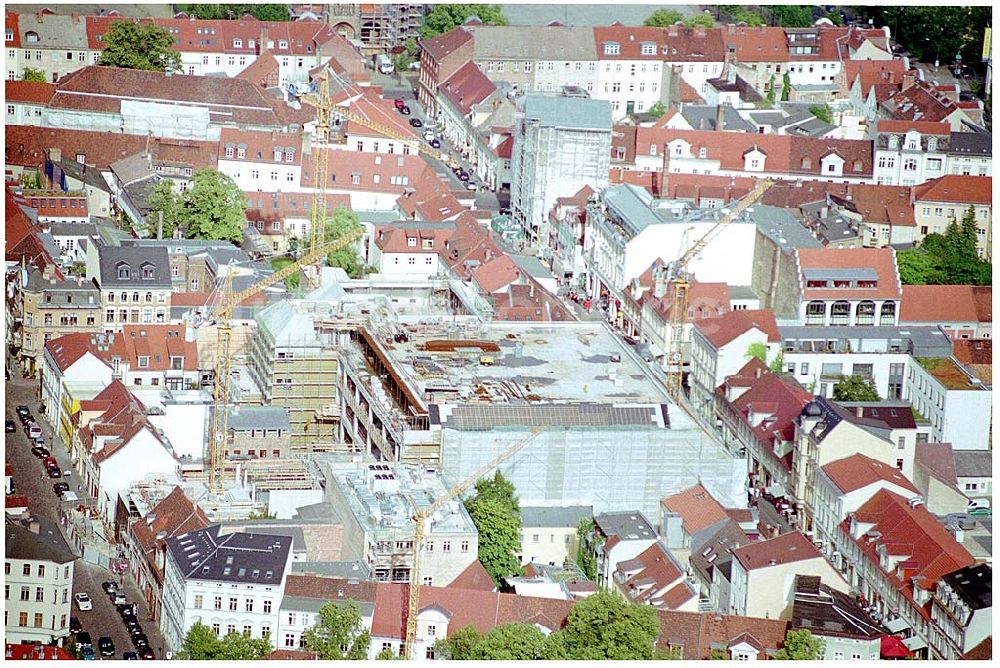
(31, 480)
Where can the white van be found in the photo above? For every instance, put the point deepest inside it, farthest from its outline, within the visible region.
(34, 431)
(70, 497)
(385, 65)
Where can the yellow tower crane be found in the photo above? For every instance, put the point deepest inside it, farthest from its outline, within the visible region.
(420, 519)
(222, 311)
(680, 280)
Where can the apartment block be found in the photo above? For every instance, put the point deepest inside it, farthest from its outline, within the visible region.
(38, 567)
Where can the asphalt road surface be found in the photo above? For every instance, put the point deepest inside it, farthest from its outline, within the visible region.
(30, 480)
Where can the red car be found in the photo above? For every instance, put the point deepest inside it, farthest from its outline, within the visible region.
(50, 462)
(399, 103)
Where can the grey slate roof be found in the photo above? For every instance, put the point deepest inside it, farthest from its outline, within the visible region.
(826, 611)
(974, 584)
(237, 557)
(47, 545)
(694, 114)
(135, 256)
(781, 228)
(72, 229)
(629, 525)
(133, 168)
(259, 417)
(60, 290)
(350, 570)
(971, 143)
(555, 516)
(54, 31)
(973, 463)
(90, 176)
(568, 112)
(714, 545)
(530, 265)
(535, 42)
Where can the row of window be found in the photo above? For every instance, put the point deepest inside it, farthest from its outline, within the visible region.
(147, 317)
(22, 620)
(240, 152)
(40, 571)
(161, 297)
(39, 594)
(260, 454)
(233, 603)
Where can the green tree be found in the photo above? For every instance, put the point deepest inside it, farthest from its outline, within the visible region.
(791, 16)
(342, 222)
(931, 32)
(917, 266)
(699, 20)
(855, 388)
(203, 11)
(270, 12)
(822, 112)
(801, 646)
(835, 17)
(243, 647)
(786, 86)
(510, 642)
(165, 199)
(212, 207)
(338, 626)
(498, 488)
(719, 655)
(663, 18)
(443, 18)
(657, 110)
(771, 91)
(777, 365)
(292, 281)
(499, 536)
(33, 75)
(605, 626)
(200, 643)
(756, 349)
(263, 12)
(947, 259)
(402, 61)
(741, 14)
(387, 655)
(585, 558)
(136, 46)
(460, 645)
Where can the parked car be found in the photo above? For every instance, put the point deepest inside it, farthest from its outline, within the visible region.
(416, 122)
(83, 601)
(147, 654)
(25, 419)
(118, 598)
(106, 646)
(74, 624)
(83, 640)
(109, 586)
(404, 110)
(434, 143)
(59, 488)
(22, 410)
(54, 472)
(9, 427)
(125, 610)
(471, 186)
(40, 452)
(463, 176)
(130, 656)
(140, 641)
(33, 430)
(48, 461)
(399, 103)
(134, 629)
(88, 654)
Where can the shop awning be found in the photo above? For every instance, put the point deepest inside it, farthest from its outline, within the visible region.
(897, 625)
(892, 647)
(914, 643)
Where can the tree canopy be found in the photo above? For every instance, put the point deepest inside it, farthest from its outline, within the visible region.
(264, 12)
(497, 516)
(699, 20)
(212, 207)
(137, 46)
(801, 646)
(662, 18)
(166, 200)
(338, 627)
(947, 259)
(585, 558)
(791, 16)
(510, 642)
(34, 75)
(605, 626)
(443, 18)
(460, 645)
(855, 388)
(937, 31)
(201, 643)
(742, 14)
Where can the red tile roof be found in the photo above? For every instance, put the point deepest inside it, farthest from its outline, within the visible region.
(174, 515)
(981, 652)
(756, 45)
(937, 460)
(29, 91)
(496, 274)
(705, 300)
(69, 348)
(316, 586)
(393, 239)
(941, 304)
(260, 146)
(697, 507)
(442, 207)
(973, 351)
(15, 501)
(882, 260)
(505, 149)
(642, 578)
(857, 471)
(467, 87)
(923, 127)
(263, 71)
(25, 145)
(474, 577)
(878, 204)
(630, 40)
(157, 342)
(32, 652)
(374, 108)
(11, 24)
(957, 189)
(873, 72)
(443, 45)
(920, 102)
(720, 331)
(785, 549)
(102, 89)
(376, 172)
(932, 551)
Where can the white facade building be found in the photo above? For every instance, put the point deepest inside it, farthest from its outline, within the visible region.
(232, 583)
(38, 583)
(958, 405)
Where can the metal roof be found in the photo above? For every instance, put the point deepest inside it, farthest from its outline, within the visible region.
(568, 112)
(554, 516)
(837, 274)
(258, 417)
(489, 417)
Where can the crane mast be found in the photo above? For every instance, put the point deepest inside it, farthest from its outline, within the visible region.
(420, 533)
(681, 285)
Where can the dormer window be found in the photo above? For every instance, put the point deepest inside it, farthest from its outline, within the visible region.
(648, 49)
(806, 163)
(282, 44)
(241, 151)
(612, 48)
(143, 361)
(290, 155)
(237, 43)
(230, 150)
(277, 154)
(411, 242)
(124, 271)
(31, 37)
(893, 141)
(147, 272)
(932, 144)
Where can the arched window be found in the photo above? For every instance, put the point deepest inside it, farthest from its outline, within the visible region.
(840, 313)
(816, 313)
(888, 315)
(864, 314)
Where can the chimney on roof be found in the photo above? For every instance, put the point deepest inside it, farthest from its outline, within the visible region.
(39, 14)
(665, 173)
(720, 116)
(262, 44)
(55, 155)
(672, 30)
(731, 74)
(909, 77)
(34, 526)
(859, 411)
